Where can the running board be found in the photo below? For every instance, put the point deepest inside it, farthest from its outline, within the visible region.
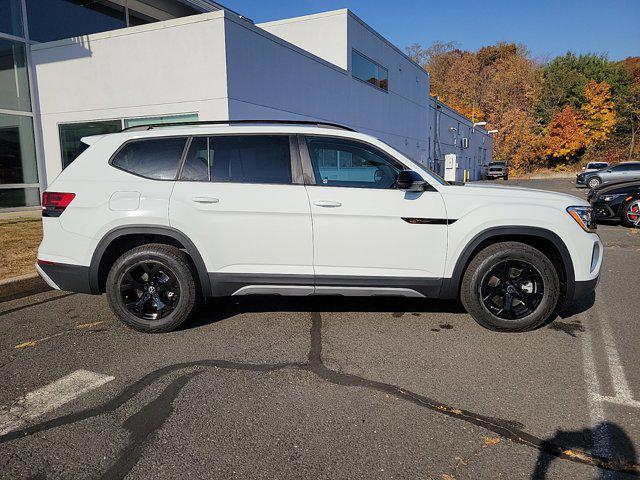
(305, 290)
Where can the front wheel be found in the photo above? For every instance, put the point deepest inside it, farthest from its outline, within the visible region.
(630, 213)
(151, 288)
(594, 182)
(510, 287)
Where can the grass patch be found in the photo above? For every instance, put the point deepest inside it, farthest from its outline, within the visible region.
(19, 240)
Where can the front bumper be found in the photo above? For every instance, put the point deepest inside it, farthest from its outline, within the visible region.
(62, 276)
(580, 181)
(603, 211)
(580, 290)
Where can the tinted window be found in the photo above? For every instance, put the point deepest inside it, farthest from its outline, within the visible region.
(369, 71)
(196, 163)
(628, 167)
(56, 19)
(250, 159)
(345, 163)
(597, 166)
(156, 158)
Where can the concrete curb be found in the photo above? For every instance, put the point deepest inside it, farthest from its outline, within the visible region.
(22, 286)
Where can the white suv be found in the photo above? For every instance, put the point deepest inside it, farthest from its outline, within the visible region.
(158, 217)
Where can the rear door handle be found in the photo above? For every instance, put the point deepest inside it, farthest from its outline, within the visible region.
(327, 203)
(205, 199)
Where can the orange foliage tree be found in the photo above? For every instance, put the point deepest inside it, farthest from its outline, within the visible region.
(598, 112)
(566, 134)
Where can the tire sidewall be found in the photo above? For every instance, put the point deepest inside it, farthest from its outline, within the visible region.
(623, 214)
(183, 275)
(549, 302)
(596, 183)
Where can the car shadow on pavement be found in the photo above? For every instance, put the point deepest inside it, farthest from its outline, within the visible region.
(215, 310)
(606, 441)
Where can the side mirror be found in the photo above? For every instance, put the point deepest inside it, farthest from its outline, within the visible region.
(410, 181)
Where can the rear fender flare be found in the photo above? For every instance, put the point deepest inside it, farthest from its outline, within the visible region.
(112, 235)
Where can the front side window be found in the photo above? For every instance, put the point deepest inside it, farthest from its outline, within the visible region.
(250, 159)
(369, 71)
(345, 163)
(155, 158)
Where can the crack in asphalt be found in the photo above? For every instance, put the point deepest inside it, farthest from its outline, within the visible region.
(143, 424)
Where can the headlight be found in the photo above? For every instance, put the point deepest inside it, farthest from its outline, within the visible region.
(583, 217)
(608, 198)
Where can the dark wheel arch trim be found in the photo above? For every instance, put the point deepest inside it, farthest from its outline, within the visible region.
(112, 235)
(451, 286)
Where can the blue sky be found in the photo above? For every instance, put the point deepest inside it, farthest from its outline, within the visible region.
(547, 27)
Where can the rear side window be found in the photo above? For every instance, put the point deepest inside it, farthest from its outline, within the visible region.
(250, 159)
(155, 158)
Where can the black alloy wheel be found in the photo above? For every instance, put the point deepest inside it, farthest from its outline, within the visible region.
(152, 288)
(512, 289)
(149, 290)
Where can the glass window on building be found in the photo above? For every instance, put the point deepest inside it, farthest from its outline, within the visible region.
(14, 79)
(17, 162)
(71, 133)
(11, 17)
(369, 71)
(56, 19)
(137, 18)
(136, 122)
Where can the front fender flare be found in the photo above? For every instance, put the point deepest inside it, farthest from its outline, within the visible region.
(451, 286)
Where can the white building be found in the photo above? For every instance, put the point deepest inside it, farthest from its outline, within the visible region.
(68, 70)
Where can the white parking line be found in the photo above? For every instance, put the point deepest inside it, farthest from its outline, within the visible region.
(48, 398)
(616, 370)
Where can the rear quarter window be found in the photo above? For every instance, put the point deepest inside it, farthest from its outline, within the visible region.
(155, 158)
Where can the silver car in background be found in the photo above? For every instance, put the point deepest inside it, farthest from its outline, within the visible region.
(625, 171)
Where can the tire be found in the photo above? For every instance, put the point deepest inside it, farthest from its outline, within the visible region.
(148, 277)
(594, 182)
(505, 178)
(481, 287)
(628, 214)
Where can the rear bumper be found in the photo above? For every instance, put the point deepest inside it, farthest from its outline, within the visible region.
(61, 276)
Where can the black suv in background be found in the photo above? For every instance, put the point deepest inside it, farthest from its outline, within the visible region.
(617, 201)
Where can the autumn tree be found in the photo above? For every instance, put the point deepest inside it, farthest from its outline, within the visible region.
(566, 134)
(598, 112)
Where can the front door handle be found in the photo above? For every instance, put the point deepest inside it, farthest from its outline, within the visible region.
(327, 203)
(205, 199)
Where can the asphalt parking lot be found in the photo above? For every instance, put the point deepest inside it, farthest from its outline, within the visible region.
(326, 388)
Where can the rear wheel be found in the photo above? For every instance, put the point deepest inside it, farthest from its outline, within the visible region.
(510, 286)
(594, 182)
(630, 213)
(151, 288)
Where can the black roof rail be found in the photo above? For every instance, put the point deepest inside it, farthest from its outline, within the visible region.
(240, 122)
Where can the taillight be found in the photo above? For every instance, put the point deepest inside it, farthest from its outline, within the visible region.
(54, 203)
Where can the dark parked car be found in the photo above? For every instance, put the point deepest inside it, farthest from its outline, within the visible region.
(625, 171)
(617, 201)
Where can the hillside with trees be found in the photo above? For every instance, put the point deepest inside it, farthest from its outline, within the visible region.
(557, 115)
